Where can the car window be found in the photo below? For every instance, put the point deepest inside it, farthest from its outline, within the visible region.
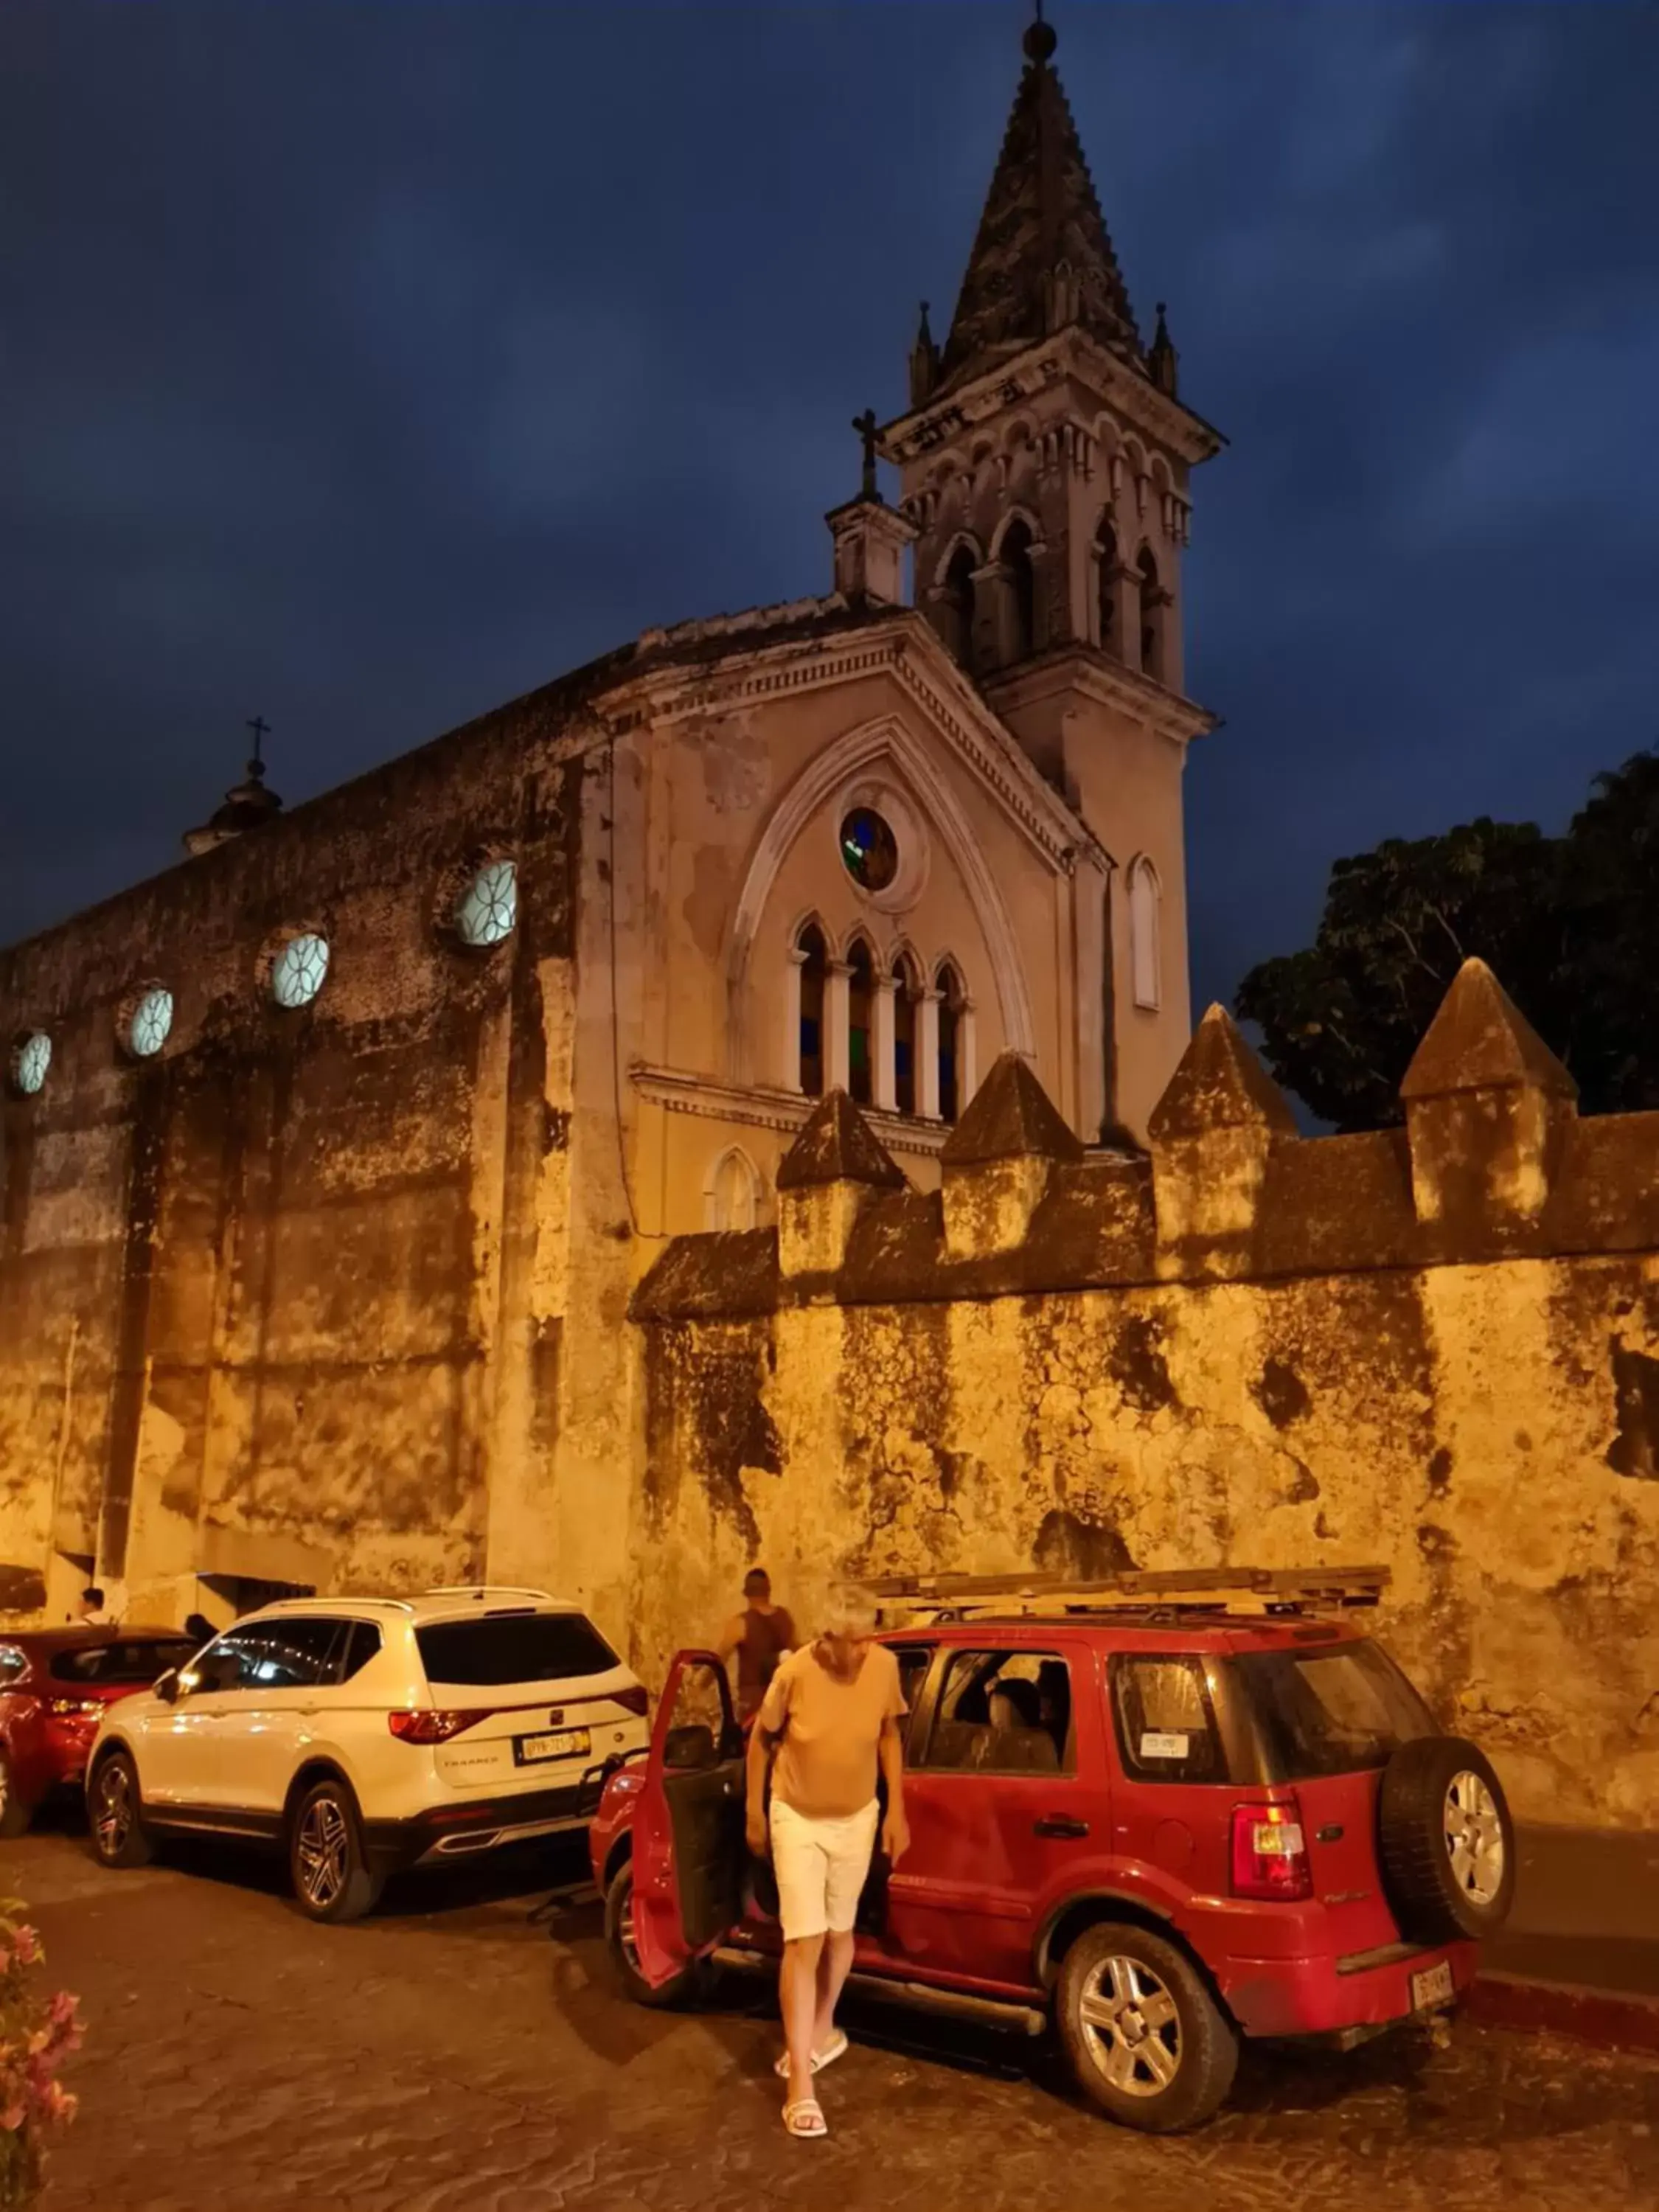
(1166, 1730)
(485, 1650)
(137, 1660)
(1003, 1712)
(1343, 1710)
(268, 1655)
(913, 1661)
(361, 1645)
(700, 1731)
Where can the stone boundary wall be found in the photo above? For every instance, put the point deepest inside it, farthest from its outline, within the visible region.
(1435, 1348)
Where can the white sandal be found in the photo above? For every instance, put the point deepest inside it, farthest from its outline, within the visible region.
(805, 2118)
(834, 2049)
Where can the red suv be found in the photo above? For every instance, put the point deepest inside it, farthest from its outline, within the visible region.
(1166, 1813)
(56, 1685)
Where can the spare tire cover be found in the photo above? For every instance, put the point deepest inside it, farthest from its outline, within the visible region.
(1445, 1841)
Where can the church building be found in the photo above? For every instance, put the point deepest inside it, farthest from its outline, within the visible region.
(331, 1156)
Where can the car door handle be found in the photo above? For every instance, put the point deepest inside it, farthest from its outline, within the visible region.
(1059, 1823)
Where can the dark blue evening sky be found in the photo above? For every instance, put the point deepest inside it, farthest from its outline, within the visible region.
(363, 366)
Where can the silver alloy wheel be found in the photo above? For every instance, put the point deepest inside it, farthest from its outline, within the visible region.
(325, 1849)
(1475, 1838)
(1132, 2028)
(112, 1817)
(630, 1949)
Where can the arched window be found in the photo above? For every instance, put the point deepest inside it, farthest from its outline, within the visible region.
(1144, 958)
(1016, 562)
(906, 991)
(731, 1194)
(814, 968)
(950, 997)
(861, 1023)
(1106, 588)
(1151, 618)
(959, 598)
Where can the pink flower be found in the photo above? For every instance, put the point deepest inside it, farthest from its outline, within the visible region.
(26, 1944)
(62, 2011)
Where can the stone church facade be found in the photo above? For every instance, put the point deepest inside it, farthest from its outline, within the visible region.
(333, 1155)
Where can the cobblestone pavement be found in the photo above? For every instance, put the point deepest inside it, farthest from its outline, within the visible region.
(465, 2048)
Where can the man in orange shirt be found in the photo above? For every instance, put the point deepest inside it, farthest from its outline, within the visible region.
(828, 1723)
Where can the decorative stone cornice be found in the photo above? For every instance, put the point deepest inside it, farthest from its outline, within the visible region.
(760, 1106)
(1074, 670)
(1034, 370)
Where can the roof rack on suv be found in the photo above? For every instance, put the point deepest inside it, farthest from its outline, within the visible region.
(1250, 1591)
(486, 1589)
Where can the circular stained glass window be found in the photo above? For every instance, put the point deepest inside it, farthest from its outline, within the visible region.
(150, 1021)
(297, 972)
(489, 905)
(869, 849)
(31, 1057)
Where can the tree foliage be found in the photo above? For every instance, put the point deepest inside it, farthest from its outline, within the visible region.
(1570, 925)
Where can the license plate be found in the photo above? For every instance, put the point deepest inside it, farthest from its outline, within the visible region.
(569, 1743)
(1432, 1987)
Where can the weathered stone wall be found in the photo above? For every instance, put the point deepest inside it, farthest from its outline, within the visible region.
(1436, 1349)
(263, 1297)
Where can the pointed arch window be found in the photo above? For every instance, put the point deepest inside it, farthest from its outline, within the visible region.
(813, 962)
(1152, 598)
(861, 1024)
(907, 990)
(1020, 577)
(1145, 957)
(1106, 562)
(959, 602)
(951, 1001)
(731, 1194)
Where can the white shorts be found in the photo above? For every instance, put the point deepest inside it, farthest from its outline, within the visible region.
(821, 1867)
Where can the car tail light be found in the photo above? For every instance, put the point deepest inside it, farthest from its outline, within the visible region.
(1270, 1856)
(636, 1700)
(75, 1705)
(428, 1727)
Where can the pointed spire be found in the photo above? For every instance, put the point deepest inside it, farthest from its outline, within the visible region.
(1043, 256)
(246, 805)
(1219, 1084)
(837, 1145)
(924, 363)
(1163, 362)
(1009, 1117)
(1482, 1041)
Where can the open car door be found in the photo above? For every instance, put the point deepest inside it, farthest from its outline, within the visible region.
(689, 1847)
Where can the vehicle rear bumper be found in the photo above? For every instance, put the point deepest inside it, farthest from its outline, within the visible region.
(1325, 1994)
(444, 1835)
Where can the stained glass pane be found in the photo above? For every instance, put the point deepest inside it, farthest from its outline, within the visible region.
(297, 975)
(152, 1019)
(29, 1061)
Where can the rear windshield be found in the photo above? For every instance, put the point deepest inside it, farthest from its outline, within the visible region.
(140, 1660)
(525, 1647)
(1341, 1709)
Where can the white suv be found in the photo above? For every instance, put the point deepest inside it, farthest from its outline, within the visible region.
(362, 1735)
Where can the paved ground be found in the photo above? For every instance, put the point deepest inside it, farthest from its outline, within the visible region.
(467, 2050)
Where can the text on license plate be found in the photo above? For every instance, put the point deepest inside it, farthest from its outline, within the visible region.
(567, 1744)
(1433, 1986)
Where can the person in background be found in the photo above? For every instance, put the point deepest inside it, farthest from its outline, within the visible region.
(761, 1635)
(198, 1627)
(93, 1613)
(830, 1720)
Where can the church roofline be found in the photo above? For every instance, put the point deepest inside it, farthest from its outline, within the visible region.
(1030, 369)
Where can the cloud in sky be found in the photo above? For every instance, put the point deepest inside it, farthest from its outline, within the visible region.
(363, 367)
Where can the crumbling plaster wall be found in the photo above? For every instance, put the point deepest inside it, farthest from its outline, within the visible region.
(286, 1302)
(1332, 1384)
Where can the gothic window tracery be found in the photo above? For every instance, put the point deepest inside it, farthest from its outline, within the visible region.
(951, 999)
(731, 1194)
(907, 990)
(861, 1024)
(1020, 576)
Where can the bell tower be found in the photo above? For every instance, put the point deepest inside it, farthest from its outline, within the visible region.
(1045, 464)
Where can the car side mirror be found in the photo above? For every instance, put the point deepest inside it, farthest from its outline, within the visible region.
(166, 1686)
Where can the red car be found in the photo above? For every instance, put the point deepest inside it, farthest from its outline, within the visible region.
(56, 1685)
(1163, 1813)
